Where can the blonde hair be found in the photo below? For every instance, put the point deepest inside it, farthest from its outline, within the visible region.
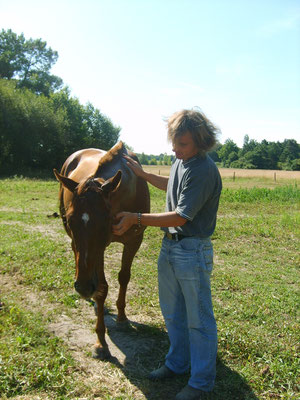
(203, 131)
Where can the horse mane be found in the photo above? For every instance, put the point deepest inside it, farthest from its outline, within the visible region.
(115, 151)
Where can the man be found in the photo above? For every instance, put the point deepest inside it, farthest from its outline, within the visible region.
(186, 258)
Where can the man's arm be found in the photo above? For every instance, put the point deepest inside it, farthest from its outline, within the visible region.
(161, 182)
(128, 219)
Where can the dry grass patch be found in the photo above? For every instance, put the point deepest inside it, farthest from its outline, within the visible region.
(228, 172)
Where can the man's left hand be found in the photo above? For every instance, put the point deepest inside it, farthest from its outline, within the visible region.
(127, 219)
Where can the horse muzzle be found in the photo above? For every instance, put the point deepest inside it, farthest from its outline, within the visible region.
(85, 289)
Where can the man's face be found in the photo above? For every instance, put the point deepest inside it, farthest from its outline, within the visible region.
(185, 147)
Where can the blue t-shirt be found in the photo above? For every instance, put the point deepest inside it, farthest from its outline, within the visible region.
(193, 192)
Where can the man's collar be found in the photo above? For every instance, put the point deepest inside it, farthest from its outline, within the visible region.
(196, 157)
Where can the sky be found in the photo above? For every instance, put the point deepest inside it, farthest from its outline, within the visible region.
(139, 61)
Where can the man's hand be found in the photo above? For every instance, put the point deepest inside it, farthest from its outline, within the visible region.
(127, 219)
(135, 166)
(159, 181)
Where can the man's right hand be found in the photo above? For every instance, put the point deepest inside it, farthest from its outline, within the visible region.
(135, 166)
(159, 181)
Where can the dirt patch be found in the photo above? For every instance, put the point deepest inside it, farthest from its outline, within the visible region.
(10, 209)
(48, 230)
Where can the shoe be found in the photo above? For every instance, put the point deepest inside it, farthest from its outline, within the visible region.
(190, 393)
(161, 373)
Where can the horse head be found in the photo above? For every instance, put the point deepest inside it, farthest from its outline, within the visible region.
(88, 219)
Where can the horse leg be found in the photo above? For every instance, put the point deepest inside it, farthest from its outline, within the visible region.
(101, 349)
(129, 251)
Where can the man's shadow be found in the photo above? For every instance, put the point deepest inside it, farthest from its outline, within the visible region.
(144, 348)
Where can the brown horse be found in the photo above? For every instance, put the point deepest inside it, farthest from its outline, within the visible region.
(95, 186)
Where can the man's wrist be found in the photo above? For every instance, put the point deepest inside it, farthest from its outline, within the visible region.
(139, 219)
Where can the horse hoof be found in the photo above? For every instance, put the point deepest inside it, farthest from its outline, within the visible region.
(101, 353)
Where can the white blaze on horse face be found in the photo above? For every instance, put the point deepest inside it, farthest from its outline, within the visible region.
(85, 218)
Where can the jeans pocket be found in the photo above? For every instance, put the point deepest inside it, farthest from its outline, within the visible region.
(206, 257)
(188, 245)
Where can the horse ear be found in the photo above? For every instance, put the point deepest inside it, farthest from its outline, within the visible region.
(66, 182)
(111, 184)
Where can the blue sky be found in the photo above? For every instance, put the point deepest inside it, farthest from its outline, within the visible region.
(138, 61)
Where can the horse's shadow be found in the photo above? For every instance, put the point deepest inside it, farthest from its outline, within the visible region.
(144, 348)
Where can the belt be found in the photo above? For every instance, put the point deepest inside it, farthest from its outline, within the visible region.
(175, 236)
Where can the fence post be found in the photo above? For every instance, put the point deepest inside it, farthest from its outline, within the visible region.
(274, 176)
(234, 175)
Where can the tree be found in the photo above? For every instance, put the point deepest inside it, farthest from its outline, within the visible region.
(28, 61)
(143, 159)
(31, 131)
(153, 161)
(99, 130)
(39, 132)
(11, 53)
(274, 150)
(291, 150)
(228, 152)
(87, 127)
(166, 159)
(295, 165)
(248, 145)
(213, 154)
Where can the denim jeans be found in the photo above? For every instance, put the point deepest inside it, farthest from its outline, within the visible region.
(184, 270)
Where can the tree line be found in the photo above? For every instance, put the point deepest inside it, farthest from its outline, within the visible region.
(258, 155)
(161, 159)
(41, 124)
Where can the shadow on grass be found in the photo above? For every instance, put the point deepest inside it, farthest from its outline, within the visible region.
(145, 346)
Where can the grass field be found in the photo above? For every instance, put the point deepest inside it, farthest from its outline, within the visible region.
(46, 330)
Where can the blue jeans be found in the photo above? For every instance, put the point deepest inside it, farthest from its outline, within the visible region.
(184, 270)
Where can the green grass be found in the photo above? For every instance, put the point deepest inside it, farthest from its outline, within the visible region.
(31, 359)
(255, 288)
(280, 194)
